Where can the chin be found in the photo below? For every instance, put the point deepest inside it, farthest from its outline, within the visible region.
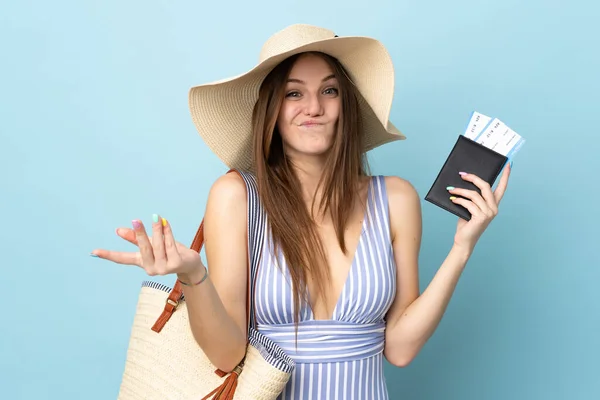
(310, 144)
(310, 151)
(315, 149)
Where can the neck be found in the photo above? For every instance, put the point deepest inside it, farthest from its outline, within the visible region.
(309, 171)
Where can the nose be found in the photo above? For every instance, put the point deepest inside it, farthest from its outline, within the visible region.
(313, 105)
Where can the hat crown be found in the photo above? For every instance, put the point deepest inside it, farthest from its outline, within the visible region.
(292, 37)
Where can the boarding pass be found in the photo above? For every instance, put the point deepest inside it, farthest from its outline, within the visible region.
(493, 134)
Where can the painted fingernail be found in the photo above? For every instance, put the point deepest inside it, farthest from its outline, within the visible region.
(450, 187)
(462, 173)
(155, 218)
(452, 198)
(93, 255)
(164, 222)
(136, 224)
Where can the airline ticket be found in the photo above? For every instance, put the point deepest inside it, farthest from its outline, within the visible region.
(493, 134)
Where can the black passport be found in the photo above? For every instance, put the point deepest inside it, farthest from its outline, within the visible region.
(471, 157)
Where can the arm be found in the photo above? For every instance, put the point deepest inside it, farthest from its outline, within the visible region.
(217, 307)
(413, 318)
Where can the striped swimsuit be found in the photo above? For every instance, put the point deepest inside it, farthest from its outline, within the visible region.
(341, 358)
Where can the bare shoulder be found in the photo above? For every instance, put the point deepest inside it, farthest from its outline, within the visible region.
(399, 186)
(226, 207)
(402, 194)
(225, 217)
(404, 205)
(225, 243)
(228, 190)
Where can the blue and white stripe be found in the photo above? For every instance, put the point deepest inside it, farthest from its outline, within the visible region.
(256, 231)
(340, 358)
(328, 341)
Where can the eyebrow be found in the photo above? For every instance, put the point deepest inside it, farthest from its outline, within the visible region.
(302, 82)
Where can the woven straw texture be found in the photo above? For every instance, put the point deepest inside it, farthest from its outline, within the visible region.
(171, 366)
(222, 110)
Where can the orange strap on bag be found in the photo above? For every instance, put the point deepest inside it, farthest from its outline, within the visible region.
(227, 389)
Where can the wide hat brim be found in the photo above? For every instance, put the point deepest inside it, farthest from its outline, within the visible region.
(222, 110)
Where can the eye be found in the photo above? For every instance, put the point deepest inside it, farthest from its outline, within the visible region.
(293, 94)
(331, 90)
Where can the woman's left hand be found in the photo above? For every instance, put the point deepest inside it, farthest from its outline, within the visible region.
(483, 208)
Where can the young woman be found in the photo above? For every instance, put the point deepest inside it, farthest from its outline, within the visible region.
(338, 285)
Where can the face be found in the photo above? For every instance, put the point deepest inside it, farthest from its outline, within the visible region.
(311, 106)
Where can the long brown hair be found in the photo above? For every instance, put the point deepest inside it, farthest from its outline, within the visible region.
(291, 223)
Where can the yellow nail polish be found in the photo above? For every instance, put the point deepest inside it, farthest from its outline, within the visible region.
(452, 198)
(164, 222)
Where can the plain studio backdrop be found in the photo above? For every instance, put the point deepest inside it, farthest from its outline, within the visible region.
(95, 131)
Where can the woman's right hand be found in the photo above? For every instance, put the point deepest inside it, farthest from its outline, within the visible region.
(157, 255)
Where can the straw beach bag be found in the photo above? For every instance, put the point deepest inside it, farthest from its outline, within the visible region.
(164, 360)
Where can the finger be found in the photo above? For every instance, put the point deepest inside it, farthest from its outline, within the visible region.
(127, 234)
(486, 190)
(158, 241)
(119, 257)
(473, 196)
(469, 205)
(501, 188)
(170, 244)
(144, 244)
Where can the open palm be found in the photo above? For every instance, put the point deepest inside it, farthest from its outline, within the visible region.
(159, 254)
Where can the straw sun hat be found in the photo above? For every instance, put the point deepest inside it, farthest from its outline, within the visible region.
(222, 110)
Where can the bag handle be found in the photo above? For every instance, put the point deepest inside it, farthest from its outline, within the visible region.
(255, 220)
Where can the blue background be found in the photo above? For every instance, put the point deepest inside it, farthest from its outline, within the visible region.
(95, 131)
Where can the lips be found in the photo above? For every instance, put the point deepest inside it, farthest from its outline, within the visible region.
(309, 124)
